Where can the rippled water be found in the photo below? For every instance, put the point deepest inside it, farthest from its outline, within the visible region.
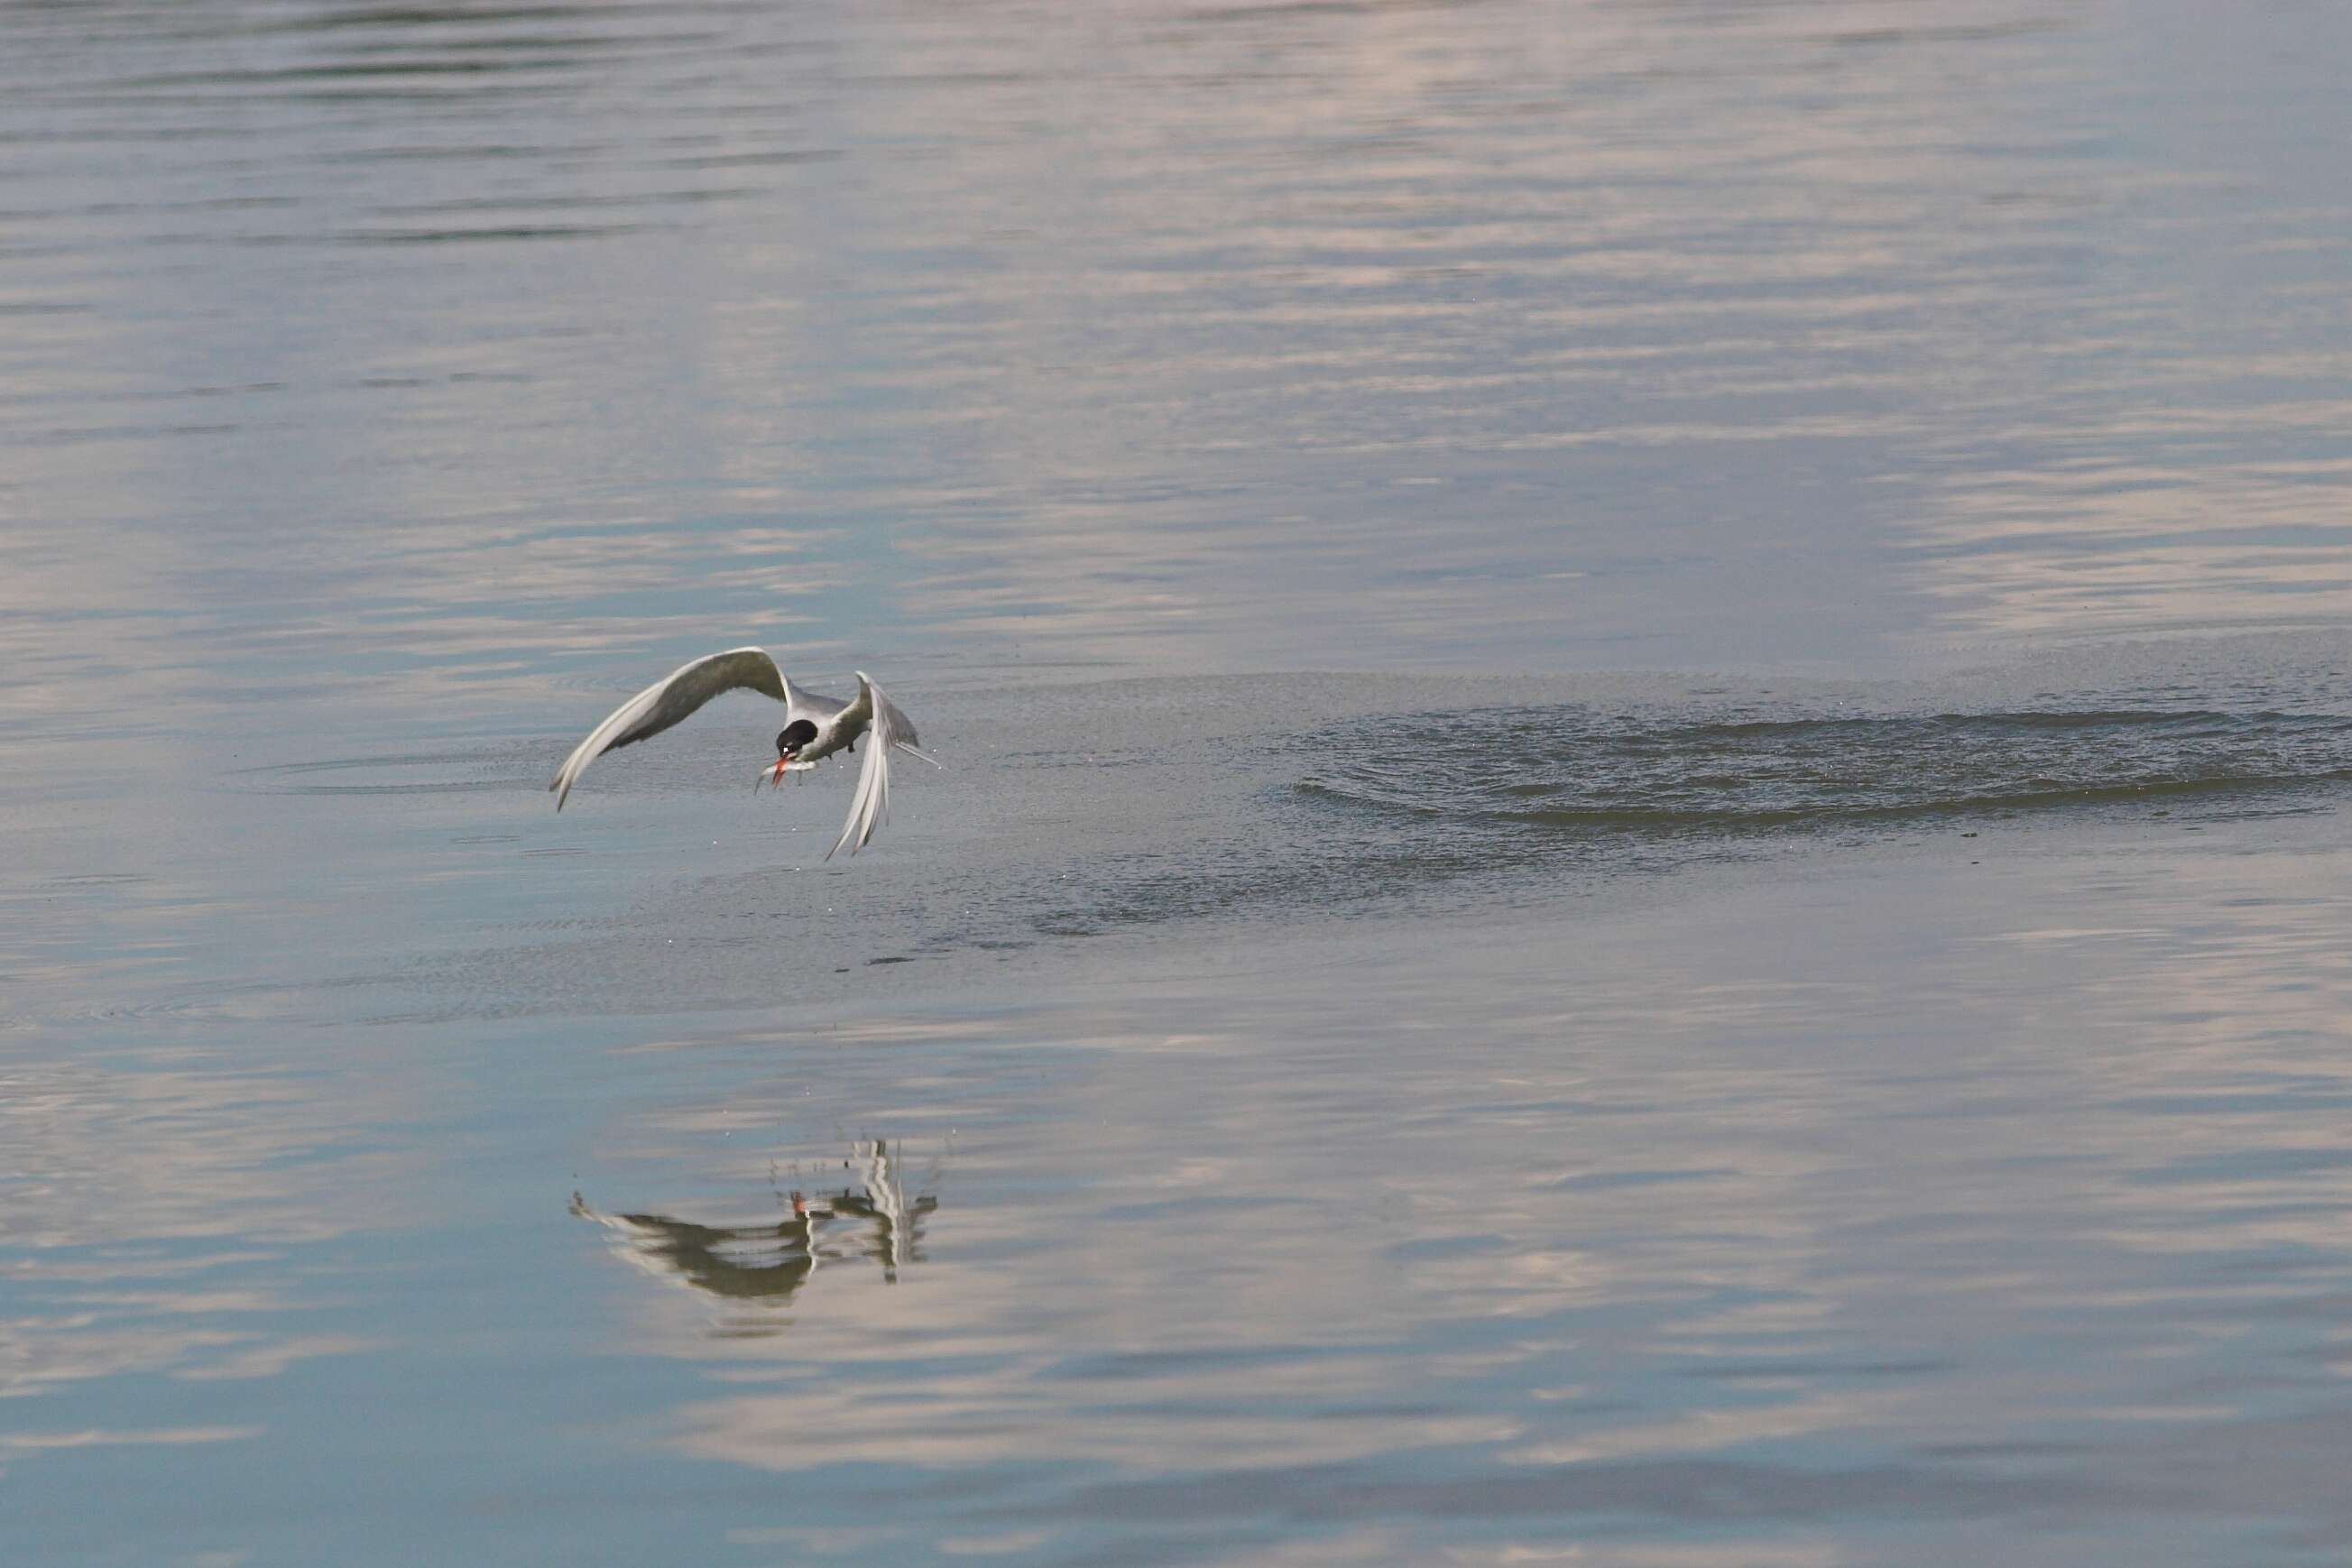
(1547, 769)
(1648, 707)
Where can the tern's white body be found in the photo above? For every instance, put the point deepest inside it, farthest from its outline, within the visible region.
(816, 727)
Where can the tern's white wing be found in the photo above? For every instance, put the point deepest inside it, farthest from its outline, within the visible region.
(887, 729)
(666, 702)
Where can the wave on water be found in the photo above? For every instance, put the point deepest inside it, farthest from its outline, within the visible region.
(1578, 769)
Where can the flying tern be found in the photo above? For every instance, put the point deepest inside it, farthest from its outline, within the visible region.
(814, 728)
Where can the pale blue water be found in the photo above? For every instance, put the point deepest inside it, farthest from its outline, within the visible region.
(1649, 710)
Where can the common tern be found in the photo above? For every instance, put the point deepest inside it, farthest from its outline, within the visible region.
(814, 728)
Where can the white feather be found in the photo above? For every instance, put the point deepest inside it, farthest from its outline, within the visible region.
(839, 725)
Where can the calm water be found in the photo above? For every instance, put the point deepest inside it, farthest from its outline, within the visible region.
(1650, 718)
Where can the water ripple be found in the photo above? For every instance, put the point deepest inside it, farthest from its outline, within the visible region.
(1573, 770)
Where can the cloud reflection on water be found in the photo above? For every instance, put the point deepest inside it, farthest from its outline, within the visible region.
(163, 1212)
(1742, 1216)
(1498, 334)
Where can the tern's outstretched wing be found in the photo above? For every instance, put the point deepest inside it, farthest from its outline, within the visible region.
(887, 729)
(666, 702)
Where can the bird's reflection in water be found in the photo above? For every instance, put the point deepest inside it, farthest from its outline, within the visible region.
(769, 1264)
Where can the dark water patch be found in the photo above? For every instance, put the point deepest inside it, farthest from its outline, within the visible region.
(753, 160)
(1574, 770)
(1414, 808)
(476, 235)
(404, 17)
(83, 436)
(1426, 810)
(335, 71)
(1962, 33)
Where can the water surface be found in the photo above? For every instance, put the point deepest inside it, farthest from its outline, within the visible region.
(1649, 713)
